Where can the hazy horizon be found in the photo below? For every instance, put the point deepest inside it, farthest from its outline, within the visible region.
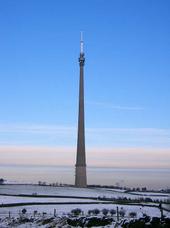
(99, 157)
(128, 177)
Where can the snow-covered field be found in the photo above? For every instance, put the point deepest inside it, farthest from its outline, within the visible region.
(15, 199)
(151, 194)
(57, 191)
(61, 211)
(71, 191)
(7, 213)
(64, 209)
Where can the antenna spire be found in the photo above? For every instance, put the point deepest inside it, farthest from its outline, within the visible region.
(81, 42)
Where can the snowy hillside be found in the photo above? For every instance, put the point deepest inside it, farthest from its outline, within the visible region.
(16, 211)
(78, 192)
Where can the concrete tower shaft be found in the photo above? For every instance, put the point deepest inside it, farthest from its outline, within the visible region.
(80, 177)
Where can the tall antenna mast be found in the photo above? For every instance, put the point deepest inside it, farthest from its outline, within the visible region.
(81, 42)
(80, 175)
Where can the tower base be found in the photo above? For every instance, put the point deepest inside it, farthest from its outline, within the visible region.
(81, 179)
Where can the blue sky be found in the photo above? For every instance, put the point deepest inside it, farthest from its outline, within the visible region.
(127, 72)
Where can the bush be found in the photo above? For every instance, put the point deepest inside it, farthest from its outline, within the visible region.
(89, 222)
(76, 211)
(141, 223)
(167, 222)
(77, 222)
(95, 221)
(136, 224)
(96, 211)
(112, 212)
(132, 214)
(147, 218)
(24, 211)
(148, 200)
(105, 211)
(155, 222)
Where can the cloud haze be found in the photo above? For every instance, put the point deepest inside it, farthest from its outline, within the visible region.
(38, 144)
(115, 107)
(99, 157)
(57, 135)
